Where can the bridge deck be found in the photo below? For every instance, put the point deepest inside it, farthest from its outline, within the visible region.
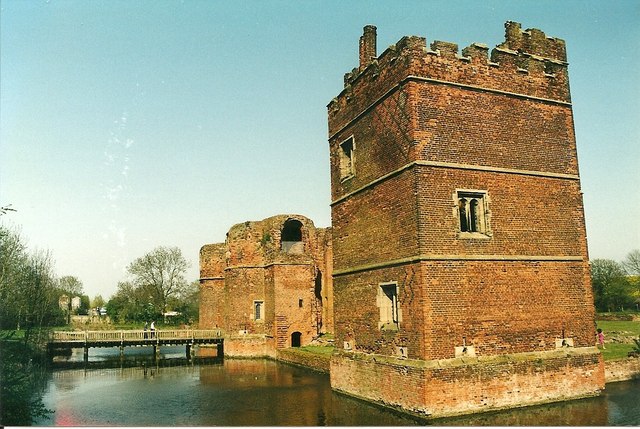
(124, 338)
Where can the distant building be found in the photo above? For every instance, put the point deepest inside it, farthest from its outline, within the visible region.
(63, 302)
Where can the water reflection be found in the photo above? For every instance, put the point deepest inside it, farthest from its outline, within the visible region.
(211, 392)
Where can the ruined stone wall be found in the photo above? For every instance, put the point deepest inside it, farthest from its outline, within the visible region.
(212, 296)
(290, 277)
(293, 290)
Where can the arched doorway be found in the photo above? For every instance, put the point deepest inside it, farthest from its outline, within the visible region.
(296, 338)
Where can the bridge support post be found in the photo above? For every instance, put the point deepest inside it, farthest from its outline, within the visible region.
(156, 351)
(220, 350)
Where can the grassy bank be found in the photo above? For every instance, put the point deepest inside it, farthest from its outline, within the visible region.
(619, 335)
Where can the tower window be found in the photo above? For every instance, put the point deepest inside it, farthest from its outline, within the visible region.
(258, 310)
(347, 167)
(472, 211)
(388, 304)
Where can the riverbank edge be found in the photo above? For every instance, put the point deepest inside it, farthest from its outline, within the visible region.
(622, 370)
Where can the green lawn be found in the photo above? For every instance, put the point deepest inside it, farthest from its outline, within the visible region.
(611, 329)
(321, 350)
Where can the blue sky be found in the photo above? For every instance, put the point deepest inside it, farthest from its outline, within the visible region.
(127, 125)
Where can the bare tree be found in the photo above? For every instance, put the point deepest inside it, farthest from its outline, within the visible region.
(632, 262)
(160, 271)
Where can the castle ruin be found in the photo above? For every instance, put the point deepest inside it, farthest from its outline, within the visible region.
(460, 276)
(268, 285)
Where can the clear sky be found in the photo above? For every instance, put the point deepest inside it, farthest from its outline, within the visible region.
(127, 125)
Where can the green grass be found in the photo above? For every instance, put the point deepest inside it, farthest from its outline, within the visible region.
(321, 350)
(617, 326)
(615, 351)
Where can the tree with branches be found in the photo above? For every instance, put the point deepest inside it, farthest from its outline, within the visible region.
(161, 273)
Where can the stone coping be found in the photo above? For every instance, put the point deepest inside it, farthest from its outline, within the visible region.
(466, 361)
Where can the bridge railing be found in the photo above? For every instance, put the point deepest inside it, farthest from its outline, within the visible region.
(135, 335)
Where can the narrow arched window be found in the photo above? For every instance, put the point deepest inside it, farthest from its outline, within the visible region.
(462, 208)
(473, 215)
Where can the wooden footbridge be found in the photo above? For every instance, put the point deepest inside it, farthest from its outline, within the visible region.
(134, 338)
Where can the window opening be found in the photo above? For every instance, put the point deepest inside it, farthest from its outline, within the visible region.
(291, 237)
(388, 303)
(346, 158)
(472, 212)
(258, 310)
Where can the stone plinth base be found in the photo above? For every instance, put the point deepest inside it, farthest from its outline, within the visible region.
(456, 386)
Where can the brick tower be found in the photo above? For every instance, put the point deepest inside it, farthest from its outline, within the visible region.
(461, 274)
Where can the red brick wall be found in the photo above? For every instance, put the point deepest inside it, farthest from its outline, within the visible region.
(212, 302)
(250, 266)
(292, 283)
(357, 315)
(529, 215)
(453, 386)
(426, 123)
(378, 225)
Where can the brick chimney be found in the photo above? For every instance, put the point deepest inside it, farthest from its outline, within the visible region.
(368, 50)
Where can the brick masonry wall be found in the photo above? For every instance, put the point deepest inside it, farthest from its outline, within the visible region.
(460, 386)
(514, 133)
(212, 304)
(249, 346)
(252, 266)
(498, 307)
(357, 315)
(243, 286)
(360, 237)
(292, 283)
(505, 307)
(426, 123)
(528, 215)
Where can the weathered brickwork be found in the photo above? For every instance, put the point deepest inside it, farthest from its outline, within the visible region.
(460, 386)
(458, 226)
(270, 278)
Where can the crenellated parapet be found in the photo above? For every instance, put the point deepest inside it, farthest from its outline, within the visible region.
(527, 64)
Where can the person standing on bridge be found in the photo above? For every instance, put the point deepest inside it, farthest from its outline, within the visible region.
(153, 329)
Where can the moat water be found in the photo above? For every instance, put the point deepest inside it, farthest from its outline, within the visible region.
(171, 391)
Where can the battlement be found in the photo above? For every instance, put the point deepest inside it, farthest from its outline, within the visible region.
(527, 63)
